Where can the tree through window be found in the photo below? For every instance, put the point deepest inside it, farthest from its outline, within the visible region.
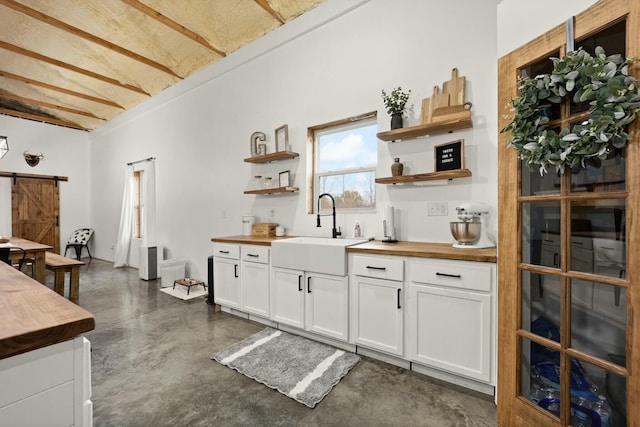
(345, 156)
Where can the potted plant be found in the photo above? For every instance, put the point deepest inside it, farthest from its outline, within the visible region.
(395, 104)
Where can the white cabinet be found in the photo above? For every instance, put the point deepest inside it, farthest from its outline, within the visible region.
(451, 316)
(327, 305)
(226, 275)
(48, 386)
(315, 302)
(287, 297)
(581, 260)
(377, 303)
(254, 277)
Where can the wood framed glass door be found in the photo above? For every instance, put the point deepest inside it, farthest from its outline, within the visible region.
(567, 256)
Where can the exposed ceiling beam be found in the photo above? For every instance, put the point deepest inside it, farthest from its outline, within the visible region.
(83, 34)
(172, 24)
(266, 6)
(52, 61)
(32, 82)
(47, 105)
(41, 118)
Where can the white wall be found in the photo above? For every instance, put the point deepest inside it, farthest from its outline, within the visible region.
(520, 21)
(66, 153)
(329, 64)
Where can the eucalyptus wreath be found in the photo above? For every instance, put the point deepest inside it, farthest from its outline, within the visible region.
(602, 81)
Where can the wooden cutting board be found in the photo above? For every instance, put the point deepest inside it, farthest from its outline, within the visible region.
(439, 100)
(455, 88)
(426, 111)
(451, 114)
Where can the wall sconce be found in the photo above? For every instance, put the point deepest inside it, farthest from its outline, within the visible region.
(32, 159)
(4, 146)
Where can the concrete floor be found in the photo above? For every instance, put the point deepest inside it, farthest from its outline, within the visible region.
(151, 367)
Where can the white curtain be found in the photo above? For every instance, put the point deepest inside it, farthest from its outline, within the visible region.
(125, 231)
(149, 202)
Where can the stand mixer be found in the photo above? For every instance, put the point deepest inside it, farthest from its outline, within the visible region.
(470, 231)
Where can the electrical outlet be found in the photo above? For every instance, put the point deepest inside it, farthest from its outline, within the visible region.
(437, 209)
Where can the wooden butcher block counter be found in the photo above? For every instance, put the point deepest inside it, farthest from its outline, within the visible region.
(33, 316)
(425, 250)
(249, 240)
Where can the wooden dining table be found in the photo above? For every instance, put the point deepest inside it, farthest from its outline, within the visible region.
(35, 251)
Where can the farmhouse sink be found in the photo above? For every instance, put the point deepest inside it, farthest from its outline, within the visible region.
(315, 254)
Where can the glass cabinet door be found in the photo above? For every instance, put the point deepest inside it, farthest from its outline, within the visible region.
(565, 284)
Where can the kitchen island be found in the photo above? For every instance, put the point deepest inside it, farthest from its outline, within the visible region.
(45, 364)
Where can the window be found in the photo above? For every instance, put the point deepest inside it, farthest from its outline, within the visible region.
(344, 155)
(138, 206)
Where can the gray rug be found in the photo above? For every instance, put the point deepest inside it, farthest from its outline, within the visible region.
(297, 367)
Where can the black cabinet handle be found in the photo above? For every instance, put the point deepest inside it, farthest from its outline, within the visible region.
(253, 255)
(309, 284)
(616, 296)
(456, 276)
(235, 270)
(376, 268)
(300, 283)
(224, 252)
(556, 260)
(399, 306)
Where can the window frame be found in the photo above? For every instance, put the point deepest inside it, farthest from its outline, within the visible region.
(138, 204)
(313, 177)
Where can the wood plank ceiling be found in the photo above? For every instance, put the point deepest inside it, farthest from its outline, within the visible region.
(80, 63)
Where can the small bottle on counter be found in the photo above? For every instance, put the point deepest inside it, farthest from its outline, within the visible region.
(357, 231)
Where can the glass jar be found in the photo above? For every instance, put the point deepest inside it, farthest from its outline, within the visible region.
(256, 183)
(267, 182)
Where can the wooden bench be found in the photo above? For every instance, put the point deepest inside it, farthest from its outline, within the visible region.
(61, 265)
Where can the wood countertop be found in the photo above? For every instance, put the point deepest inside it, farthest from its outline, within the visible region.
(425, 250)
(33, 316)
(415, 249)
(249, 240)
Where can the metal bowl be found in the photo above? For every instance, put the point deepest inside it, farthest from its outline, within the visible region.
(465, 232)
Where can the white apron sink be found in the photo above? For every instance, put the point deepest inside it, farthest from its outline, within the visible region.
(315, 254)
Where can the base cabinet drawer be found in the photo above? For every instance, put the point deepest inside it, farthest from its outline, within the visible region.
(453, 274)
(53, 407)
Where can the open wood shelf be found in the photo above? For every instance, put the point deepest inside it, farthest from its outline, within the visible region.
(428, 129)
(272, 157)
(273, 190)
(431, 176)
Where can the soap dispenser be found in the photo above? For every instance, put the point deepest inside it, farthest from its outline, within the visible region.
(357, 231)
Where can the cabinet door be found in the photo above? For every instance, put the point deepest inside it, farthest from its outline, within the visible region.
(255, 288)
(377, 314)
(611, 301)
(451, 330)
(226, 282)
(327, 305)
(287, 297)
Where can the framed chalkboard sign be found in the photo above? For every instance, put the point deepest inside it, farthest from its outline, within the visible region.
(449, 156)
